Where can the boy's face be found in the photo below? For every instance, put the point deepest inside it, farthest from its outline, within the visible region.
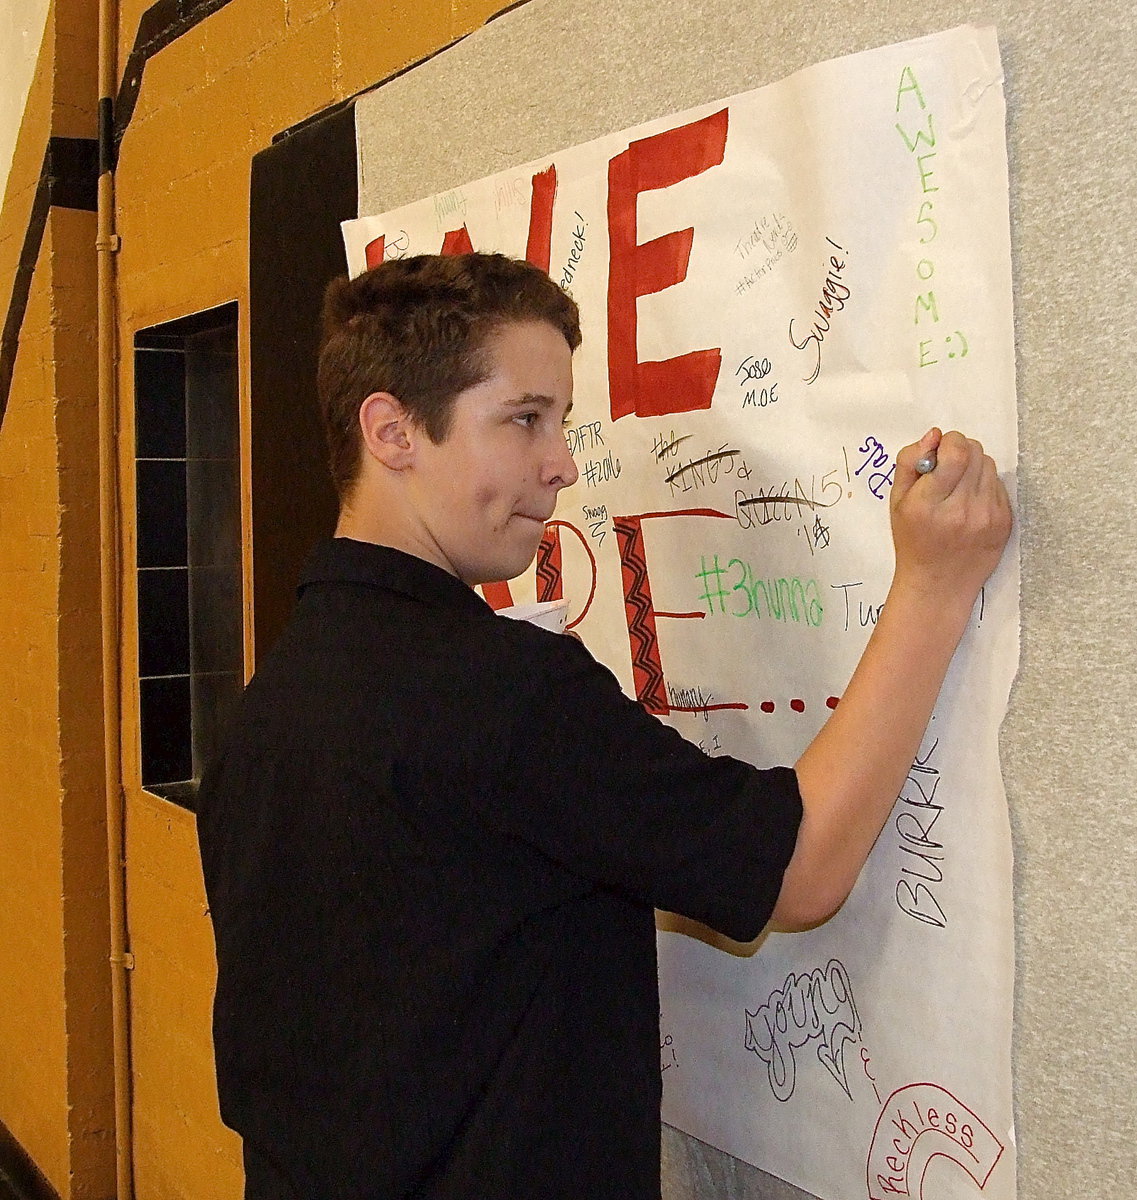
(483, 495)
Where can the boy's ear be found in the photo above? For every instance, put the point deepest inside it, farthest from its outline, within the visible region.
(388, 432)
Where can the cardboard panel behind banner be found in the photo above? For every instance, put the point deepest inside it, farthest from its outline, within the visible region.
(301, 187)
(551, 75)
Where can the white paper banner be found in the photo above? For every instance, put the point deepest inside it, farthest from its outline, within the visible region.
(778, 291)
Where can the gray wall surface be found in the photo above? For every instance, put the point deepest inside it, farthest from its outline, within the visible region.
(555, 73)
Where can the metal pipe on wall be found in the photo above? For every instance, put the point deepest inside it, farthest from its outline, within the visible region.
(106, 245)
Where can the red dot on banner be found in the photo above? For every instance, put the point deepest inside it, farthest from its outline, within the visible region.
(767, 706)
(833, 701)
(797, 705)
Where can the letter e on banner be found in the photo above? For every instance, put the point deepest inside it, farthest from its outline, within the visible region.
(676, 385)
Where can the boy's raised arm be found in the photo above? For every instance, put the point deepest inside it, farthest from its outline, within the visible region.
(949, 529)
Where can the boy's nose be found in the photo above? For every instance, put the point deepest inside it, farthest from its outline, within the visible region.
(564, 471)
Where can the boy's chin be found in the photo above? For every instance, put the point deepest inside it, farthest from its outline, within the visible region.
(500, 572)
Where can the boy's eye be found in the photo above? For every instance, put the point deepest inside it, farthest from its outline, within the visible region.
(527, 419)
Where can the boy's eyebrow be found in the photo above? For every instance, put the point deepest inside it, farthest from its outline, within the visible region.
(538, 398)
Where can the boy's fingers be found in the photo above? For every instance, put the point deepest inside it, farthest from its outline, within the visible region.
(993, 491)
(955, 458)
(906, 473)
(982, 477)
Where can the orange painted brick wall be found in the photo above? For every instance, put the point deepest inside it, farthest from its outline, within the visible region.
(55, 1082)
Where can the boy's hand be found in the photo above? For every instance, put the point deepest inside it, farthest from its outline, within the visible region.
(949, 527)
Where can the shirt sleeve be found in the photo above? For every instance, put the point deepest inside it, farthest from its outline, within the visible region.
(613, 793)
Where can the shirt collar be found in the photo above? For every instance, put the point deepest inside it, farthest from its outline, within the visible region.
(345, 560)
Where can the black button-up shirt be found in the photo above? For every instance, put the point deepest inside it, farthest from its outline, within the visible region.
(432, 847)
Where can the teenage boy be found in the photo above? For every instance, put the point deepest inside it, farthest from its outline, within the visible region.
(436, 836)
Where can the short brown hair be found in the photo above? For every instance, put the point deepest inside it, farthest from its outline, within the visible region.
(417, 328)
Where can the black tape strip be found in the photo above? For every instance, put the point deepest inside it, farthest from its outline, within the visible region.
(69, 179)
(73, 173)
(20, 1178)
(161, 24)
(108, 151)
